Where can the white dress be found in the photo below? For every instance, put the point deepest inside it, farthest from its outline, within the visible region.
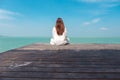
(59, 39)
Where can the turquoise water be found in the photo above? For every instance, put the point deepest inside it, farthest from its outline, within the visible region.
(8, 43)
(115, 40)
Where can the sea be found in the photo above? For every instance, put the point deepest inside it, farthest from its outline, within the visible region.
(8, 43)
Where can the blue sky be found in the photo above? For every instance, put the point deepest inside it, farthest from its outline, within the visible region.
(82, 18)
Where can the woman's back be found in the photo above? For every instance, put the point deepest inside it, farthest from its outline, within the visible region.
(59, 33)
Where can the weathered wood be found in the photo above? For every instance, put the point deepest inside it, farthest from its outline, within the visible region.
(59, 69)
(59, 75)
(54, 79)
(71, 62)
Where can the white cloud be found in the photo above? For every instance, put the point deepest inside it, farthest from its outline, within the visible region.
(102, 7)
(86, 23)
(8, 15)
(94, 21)
(4, 25)
(103, 3)
(98, 12)
(2, 11)
(104, 28)
(110, 5)
(99, 1)
(89, 1)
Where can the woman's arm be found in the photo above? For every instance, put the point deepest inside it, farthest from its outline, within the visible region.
(53, 32)
(65, 32)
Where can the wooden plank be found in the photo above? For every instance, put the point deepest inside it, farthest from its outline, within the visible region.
(66, 52)
(59, 75)
(59, 56)
(58, 69)
(66, 63)
(68, 66)
(60, 64)
(68, 59)
(53, 79)
(77, 60)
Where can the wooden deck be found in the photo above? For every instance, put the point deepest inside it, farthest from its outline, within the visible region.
(71, 62)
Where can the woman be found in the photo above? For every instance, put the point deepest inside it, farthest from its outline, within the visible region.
(59, 34)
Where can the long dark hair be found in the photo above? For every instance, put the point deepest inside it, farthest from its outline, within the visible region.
(60, 28)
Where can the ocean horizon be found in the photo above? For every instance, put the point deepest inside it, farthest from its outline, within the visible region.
(8, 43)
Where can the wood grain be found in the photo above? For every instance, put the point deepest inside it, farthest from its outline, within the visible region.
(71, 62)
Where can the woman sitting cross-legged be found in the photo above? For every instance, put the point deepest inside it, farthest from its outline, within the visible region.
(59, 34)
